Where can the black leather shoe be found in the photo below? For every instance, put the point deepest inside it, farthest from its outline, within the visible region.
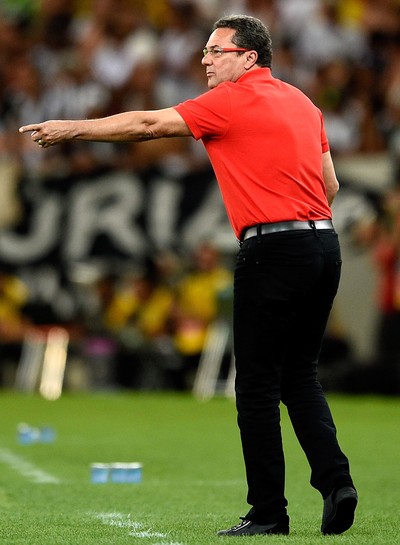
(339, 507)
(249, 528)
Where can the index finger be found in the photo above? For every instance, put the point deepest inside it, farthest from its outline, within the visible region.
(28, 128)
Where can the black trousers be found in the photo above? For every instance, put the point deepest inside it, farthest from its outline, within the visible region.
(285, 284)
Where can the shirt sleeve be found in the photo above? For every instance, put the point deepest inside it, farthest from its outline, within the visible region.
(207, 116)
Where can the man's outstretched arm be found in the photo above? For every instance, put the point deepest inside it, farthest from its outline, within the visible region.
(124, 127)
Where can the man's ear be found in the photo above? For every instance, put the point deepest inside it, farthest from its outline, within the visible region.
(251, 59)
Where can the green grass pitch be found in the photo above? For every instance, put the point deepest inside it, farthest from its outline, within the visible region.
(193, 479)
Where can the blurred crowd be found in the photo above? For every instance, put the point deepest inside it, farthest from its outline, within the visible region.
(90, 58)
(144, 328)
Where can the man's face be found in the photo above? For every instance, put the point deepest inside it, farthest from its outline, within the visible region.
(228, 66)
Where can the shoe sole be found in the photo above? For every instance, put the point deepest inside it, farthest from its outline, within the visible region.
(343, 517)
(250, 529)
(228, 533)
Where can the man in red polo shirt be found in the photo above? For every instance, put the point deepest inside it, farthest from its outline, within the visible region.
(269, 150)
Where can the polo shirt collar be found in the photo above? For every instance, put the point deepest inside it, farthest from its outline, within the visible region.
(260, 74)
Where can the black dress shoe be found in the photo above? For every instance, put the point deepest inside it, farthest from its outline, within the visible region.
(339, 507)
(249, 528)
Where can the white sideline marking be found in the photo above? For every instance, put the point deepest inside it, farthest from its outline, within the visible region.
(26, 469)
(124, 521)
(228, 482)
(168, 543)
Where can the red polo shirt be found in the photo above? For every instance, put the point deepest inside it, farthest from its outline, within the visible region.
(265, 141)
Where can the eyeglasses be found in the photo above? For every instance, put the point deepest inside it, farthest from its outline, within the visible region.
(217, 51)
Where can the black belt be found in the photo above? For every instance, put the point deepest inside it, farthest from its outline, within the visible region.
(268, 228)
